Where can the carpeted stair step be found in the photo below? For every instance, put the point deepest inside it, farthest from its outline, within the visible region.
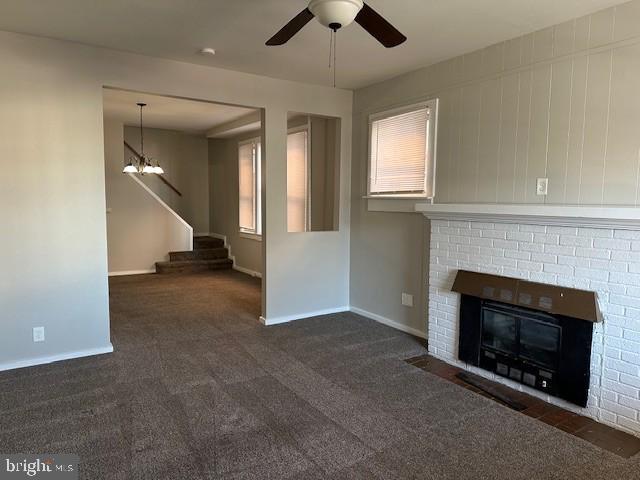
(199, 254)
(207, 243)
(191, 266)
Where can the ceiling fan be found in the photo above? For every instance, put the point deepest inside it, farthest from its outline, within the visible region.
(336, 14)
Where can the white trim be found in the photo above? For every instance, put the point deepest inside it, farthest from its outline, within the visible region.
(248, 271)
(218, 235)
(432, 105)
(131, 272)
(56, 358)
(388, 322)
(397, 197)
(395, 111)
(250, 236)
(256, 143)
(301, 316)
(304, 128)
(237, 267)
(397, 204)
(167, 207)
(576, 215)
(226, 244)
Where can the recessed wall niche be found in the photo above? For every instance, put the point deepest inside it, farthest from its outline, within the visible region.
(313, 173)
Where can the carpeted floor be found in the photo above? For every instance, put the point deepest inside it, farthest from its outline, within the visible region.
(198, 389)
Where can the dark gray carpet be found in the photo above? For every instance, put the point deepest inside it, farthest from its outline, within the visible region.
(198, 389)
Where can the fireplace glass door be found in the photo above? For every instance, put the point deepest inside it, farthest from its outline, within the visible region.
(540, 342)
(499, 331)
(521, 334)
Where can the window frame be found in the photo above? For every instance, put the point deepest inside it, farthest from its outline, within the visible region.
(430, 154)
(255, 233)
(306, 127)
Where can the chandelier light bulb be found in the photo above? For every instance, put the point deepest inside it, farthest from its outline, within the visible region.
(148, 169)
(130, 168)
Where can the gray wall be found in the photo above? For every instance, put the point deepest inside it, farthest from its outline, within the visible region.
(53, 248)
(325, 173)
(53, 244)
(135, 217)
(184, 159)
(223, 188)
(562, 103)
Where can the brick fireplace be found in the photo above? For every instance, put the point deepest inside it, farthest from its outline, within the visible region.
(601, 259)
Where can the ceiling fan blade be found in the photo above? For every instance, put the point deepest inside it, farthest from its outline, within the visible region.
(290, 29)
(376, 25)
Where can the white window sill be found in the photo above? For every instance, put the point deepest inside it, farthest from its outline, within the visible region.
(377, 203)
(397, 197)
(250, 236)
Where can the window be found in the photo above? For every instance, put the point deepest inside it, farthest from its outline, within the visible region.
(401, 145)
(249, 187)
(298, 180)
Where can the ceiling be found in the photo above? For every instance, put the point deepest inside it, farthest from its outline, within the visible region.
(170, 113)
(237, 29)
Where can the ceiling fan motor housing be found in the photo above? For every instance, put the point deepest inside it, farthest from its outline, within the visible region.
(335, 14)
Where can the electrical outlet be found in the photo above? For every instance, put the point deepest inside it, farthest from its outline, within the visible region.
(38, 334)
(407, 300)
(542, 186)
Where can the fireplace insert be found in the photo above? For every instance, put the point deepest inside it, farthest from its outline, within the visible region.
(520, 344)
(530, 333)
(548, 352)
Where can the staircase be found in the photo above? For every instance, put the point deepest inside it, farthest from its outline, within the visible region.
(208, 254)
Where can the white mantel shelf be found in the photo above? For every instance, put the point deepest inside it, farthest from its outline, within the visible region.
(579, 216)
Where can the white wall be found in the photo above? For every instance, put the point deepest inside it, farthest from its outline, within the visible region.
(223, 188)
(54, 251)
(561, 103)
(184, 160)
(141, 230)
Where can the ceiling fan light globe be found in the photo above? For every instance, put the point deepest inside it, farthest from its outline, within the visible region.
(158, 170)
(331, 12)
(148, 169)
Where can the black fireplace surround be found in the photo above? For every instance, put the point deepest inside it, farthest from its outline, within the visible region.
(530, 344)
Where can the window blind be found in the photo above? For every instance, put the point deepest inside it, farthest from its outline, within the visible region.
(398, 162)
(247, 187)
(297, 166)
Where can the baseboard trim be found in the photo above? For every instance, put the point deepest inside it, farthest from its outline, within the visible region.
(388, 322)
(248, 271)
(56, 358)
(218, 235)
(232, 257)
(302, 316)
(131, 272)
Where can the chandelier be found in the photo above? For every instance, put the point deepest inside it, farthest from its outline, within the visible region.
(141, 163)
